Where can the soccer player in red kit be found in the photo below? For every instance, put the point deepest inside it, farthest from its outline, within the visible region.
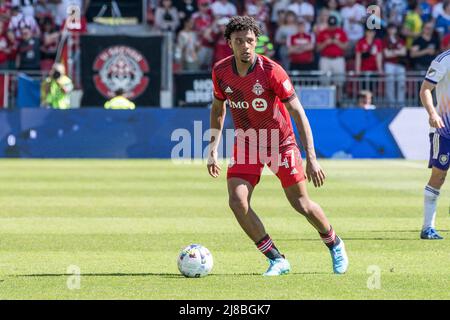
(261, 99)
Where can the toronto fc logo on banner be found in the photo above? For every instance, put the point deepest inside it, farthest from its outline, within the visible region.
(121, 67)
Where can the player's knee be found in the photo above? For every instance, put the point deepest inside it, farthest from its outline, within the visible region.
(238, 205)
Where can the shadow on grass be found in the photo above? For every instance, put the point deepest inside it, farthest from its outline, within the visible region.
(161, 275)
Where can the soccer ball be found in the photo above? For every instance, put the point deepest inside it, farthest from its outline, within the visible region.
(195, 261)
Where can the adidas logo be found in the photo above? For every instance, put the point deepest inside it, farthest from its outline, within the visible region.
(228, 90)
(294, 171)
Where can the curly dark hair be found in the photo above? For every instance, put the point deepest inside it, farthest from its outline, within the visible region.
(242, 23)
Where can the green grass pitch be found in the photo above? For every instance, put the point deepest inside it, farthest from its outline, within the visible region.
(123, 223)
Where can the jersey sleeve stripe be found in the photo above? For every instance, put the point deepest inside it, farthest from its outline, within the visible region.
(289, 99)
(220, 99)
(432, 81)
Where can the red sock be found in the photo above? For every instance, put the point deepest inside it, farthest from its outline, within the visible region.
(330, 238)
(267, 247)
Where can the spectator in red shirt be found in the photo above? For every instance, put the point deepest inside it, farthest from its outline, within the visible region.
(203, 19)
(221, 47)
(394, 49)
(301, 49)
(331, 44)
(5, 13)
(445, 43)
(369, 53)
(4, 48)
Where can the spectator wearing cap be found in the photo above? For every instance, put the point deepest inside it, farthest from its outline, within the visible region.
(284, 31)
(424, 48)
(394, 51)
(304, 11)
(443, 21)
(301, 49)
(413, 23)
(369, 53)
(166, 17)
(331, 44)
(223, 8)
(353, 17)
(202, 20)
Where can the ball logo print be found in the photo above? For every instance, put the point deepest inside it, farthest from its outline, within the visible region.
(121, 67)
(195, 261)
(259, 104)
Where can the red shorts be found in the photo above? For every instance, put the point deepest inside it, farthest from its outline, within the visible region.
(287, 166)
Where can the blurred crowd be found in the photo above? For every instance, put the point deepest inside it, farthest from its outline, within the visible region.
(31, 31)
(335, 36)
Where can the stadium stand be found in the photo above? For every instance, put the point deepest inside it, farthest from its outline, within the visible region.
(424, 27)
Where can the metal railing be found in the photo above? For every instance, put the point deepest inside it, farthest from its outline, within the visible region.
(388, 90)
(385, 88)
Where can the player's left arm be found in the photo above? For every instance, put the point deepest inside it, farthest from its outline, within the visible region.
(313, 170)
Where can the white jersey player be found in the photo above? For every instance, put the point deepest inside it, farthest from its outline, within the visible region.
(438, 76)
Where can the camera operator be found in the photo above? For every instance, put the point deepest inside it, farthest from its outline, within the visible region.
(56, 88)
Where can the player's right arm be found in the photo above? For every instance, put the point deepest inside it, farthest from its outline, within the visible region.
(218, 111)
(434, 74)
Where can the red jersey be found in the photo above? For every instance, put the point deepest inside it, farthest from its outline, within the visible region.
(397, 44)
(4, 45)
(256, 100)
(332, 50)
(369, 53)
(221, 47)
(300, 39)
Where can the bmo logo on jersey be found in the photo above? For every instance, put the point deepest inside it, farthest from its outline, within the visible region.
(238, 105)
(259, 104)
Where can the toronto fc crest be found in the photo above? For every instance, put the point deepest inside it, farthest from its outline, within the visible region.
(258, 89)
(121, 67)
